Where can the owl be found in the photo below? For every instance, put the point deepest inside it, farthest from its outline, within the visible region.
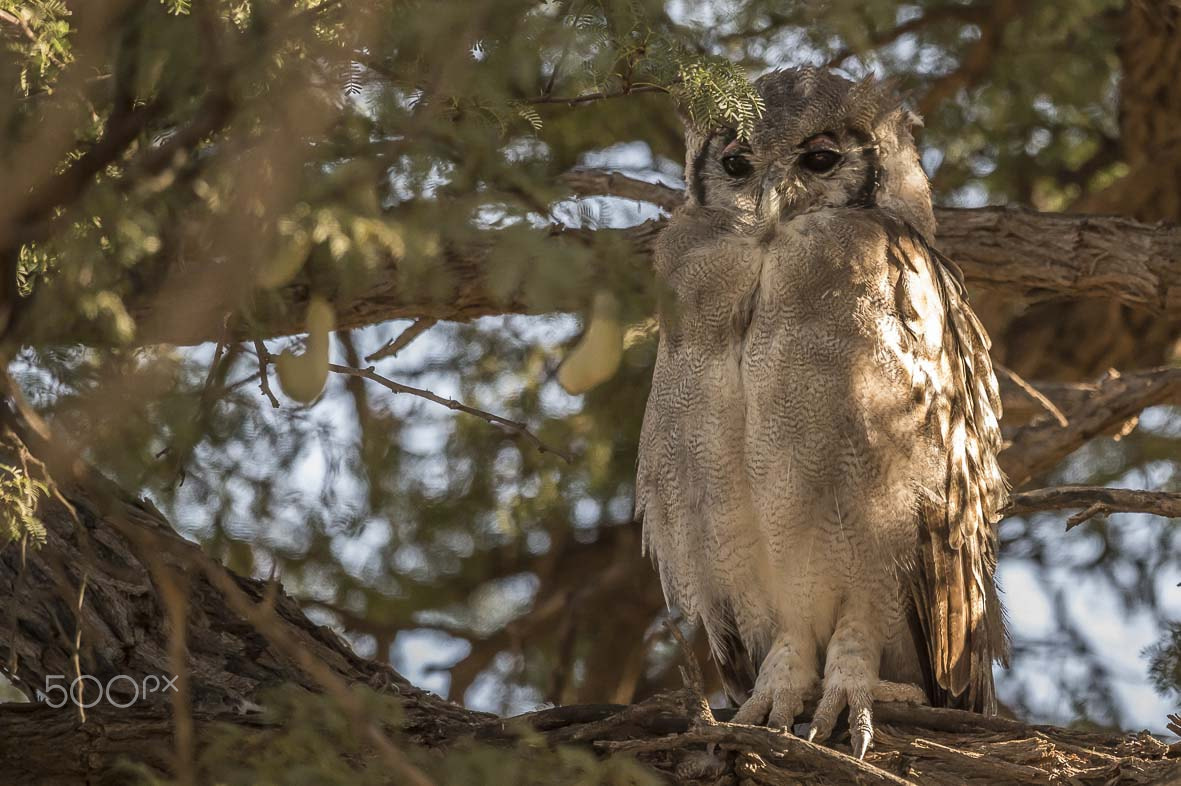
(817, 475)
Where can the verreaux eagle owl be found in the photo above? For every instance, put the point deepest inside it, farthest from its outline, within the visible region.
(817, 475)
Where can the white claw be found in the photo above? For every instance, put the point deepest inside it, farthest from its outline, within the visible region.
(860, 742)
(812, 732)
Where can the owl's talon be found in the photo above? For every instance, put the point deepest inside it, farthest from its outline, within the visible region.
(839, 694)
(754, 710)
(859, 740)
(785, 679)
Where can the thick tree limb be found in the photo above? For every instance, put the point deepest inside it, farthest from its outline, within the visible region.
(1027, 255)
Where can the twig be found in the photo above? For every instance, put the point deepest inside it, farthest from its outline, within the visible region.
(174, 592)
(1033, 393)
(1096, 500)
(77, 646)
(692, 677)
(264, 382)
(691, 672)
(403, 340)
(772, 745)
(509, 425)
(19, 21)
(962, 13)
(598, 182)
(587, 98)
(979, 765)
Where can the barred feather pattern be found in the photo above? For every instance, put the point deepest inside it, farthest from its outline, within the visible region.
(817, 476)
(957, 615)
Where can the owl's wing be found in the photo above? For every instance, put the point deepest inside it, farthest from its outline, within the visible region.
(956, 619)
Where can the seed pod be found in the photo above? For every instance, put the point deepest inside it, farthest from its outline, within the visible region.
(595, 358)
(303, 376)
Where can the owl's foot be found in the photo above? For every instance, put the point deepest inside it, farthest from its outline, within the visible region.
(844, 690)
(786, 678)
(841, 691)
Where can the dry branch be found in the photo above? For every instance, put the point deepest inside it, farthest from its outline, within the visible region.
(1029, 255)
(512, 426)
(1038, 446)
(1095, 500)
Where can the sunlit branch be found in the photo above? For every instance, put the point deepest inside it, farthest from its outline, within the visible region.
(403, 340)
(1032, 393)
(264, 382)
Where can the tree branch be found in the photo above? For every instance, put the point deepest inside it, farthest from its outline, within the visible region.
(1038, 446)
(959, 13)
(587, 98)
(600, 182)
(1096, 500)
(511, 426)
(1035, 256)
(1028, 255)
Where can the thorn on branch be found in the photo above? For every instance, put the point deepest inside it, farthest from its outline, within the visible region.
(1034, 394)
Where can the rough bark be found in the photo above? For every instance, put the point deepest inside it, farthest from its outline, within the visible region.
(1079, 340)
(1029, 256)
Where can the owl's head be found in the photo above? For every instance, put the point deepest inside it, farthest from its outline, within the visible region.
(822, 142)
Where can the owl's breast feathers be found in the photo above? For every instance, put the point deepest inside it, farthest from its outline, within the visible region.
(854, 300)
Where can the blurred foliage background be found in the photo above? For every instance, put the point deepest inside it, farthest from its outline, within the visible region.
(180, 179)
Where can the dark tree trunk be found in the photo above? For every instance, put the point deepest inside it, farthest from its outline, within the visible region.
(1078, 340)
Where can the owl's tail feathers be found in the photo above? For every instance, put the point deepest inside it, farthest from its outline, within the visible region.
(736, 665)
(957, 634)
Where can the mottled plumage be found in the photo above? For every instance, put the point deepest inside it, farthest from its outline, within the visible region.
(817, 476)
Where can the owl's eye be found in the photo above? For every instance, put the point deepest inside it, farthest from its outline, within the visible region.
(736, 165)
(820, 160)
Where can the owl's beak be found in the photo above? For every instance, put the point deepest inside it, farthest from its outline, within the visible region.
(770, 202)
